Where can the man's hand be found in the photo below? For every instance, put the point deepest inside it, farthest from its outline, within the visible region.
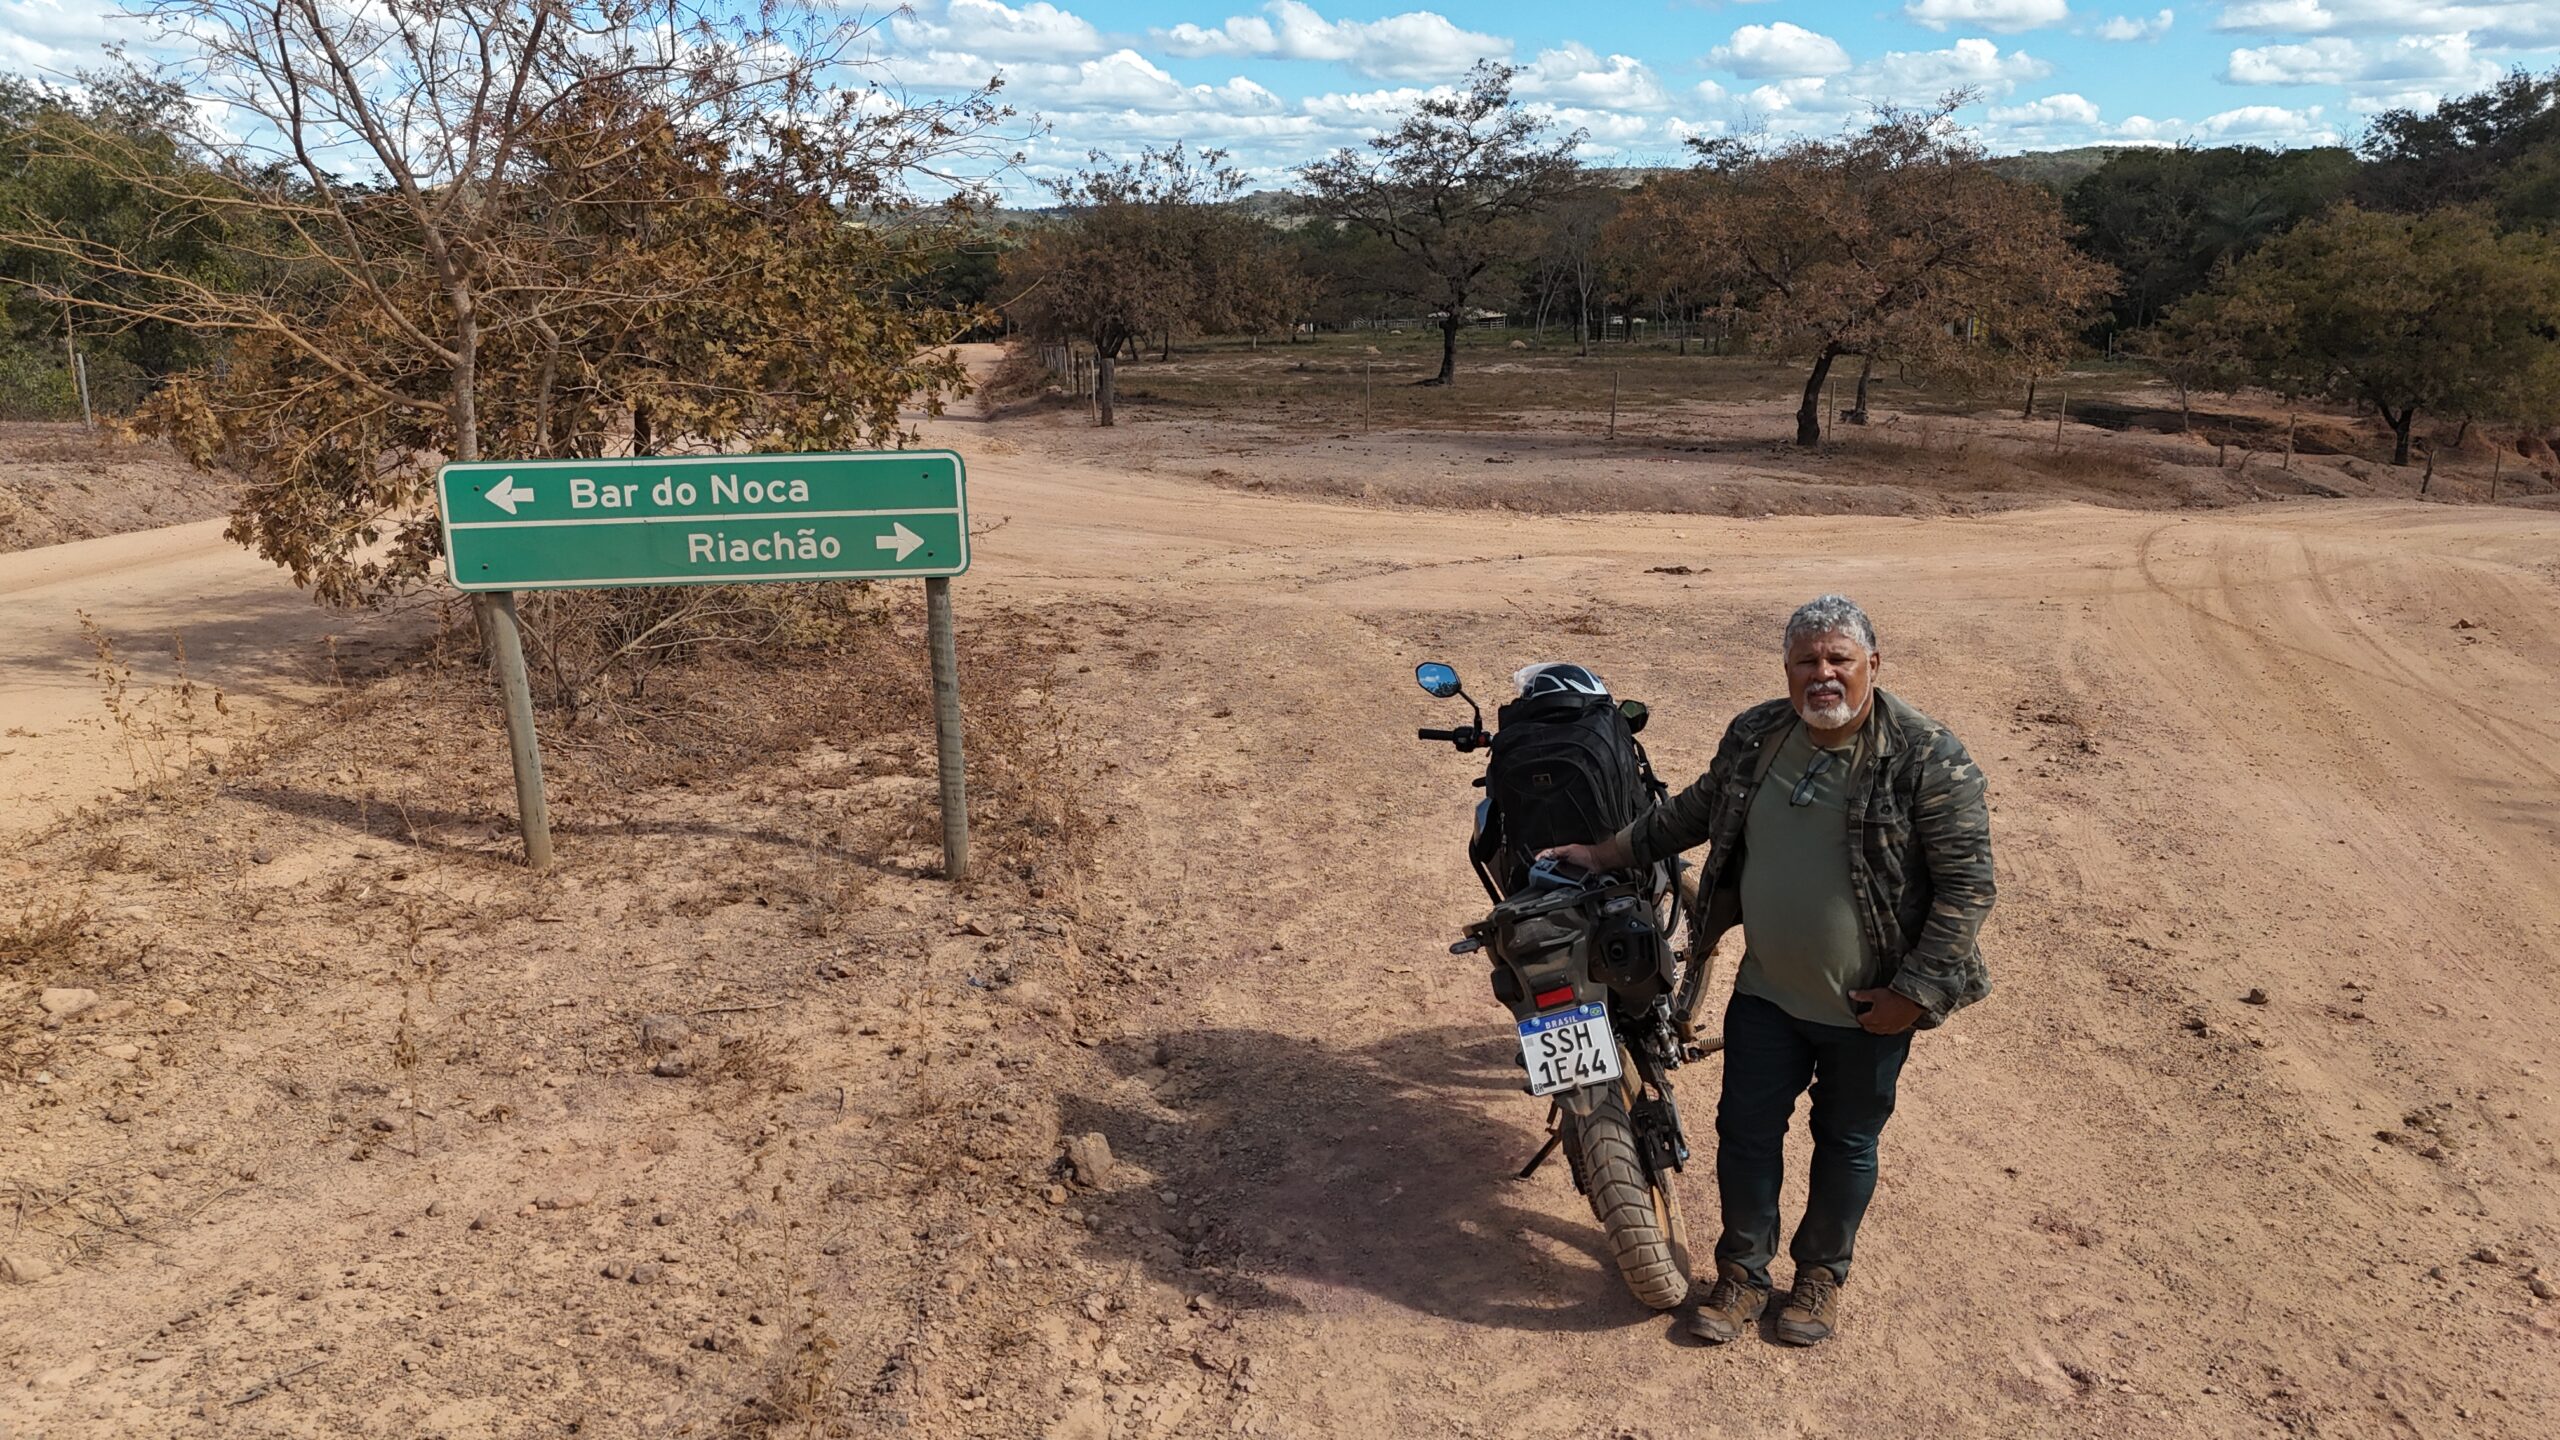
(1888, 1012)
(1607, 855)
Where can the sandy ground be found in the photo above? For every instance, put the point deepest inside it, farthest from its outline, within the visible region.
(171, 603)
(2304, 750)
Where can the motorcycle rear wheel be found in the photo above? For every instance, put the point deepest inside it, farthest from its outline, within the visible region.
(1648, 1236)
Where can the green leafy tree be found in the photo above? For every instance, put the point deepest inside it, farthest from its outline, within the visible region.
(2438, 314)
(50, 177)
(2498, 147)
(2165, 218)
(1456, 188)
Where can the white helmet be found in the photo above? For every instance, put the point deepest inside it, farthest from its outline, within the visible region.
(1558, 677)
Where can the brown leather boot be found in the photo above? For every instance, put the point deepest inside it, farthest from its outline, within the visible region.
(1730, 1307)
(1812, 1308)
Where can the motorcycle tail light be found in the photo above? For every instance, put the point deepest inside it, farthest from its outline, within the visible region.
(1549, 999)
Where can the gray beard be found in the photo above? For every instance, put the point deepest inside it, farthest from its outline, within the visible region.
(1829, 717)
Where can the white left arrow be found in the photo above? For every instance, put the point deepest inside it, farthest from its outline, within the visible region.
(900, 539)
(507, 495)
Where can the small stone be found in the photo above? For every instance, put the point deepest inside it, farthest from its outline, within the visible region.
(383, 1124)
(648, 1272)
(262, 856)
(176, 1009)
(2256, 996)
(1090, 1156)
(1096, 1308)
(62, 1004)
(119, 1114)
(2488, 1255)
(122, 1050)
(661, 1033)
(2435, 1272)
(434, 1208)
(482, 1221)
(20, 1268)
(2540, 1287)
(616, 1270)
(663, 1217)
(671, 1067)
(1057, 1195)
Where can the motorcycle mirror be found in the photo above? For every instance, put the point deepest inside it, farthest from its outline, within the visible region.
(1637, 712)
(1436, 679)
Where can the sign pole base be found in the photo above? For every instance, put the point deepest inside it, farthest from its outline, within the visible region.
(940, 639)
(497, 611)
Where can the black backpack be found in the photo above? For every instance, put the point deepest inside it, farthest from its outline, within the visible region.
(1564, 772)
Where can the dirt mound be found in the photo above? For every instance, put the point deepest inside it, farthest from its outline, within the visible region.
(63, 482)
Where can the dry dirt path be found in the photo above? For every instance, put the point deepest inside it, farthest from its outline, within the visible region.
(247, 633)
(2304, 749)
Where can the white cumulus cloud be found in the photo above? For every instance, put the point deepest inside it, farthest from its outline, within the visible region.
(1998, 15)
(1036, 31)
(2523, 24)
(1779, 51)
(2268, 125)
(2063, 109)
(1575, 74)
(1417, 45)
(2376, 73)
(2131, 27)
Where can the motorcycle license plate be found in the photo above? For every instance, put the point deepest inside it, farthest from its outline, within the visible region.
(1568, 1049)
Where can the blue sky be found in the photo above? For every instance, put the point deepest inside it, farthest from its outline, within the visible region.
(1278, 82)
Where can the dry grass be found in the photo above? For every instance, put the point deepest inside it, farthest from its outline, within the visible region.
(45, 932)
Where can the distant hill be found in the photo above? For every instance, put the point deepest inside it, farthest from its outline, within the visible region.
(2056, 169)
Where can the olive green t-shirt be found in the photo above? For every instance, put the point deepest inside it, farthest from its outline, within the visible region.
(1803, 950)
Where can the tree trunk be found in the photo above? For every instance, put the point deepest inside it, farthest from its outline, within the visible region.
(1166, 353)
(1106, 367)
(1858, 412)
(2400, 425)
(1449, 347)
(2030, 412)
(1809, 414)
(1582, 326)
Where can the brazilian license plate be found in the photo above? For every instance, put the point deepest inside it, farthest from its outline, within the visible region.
(1568, 1049)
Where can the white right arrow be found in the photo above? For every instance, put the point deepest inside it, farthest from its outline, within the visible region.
(507, 495)
(900, 539)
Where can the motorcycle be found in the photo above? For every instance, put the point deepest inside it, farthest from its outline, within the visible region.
(1586, 964)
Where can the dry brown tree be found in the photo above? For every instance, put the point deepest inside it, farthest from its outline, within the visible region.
(1146, 247)
(1896, 243)
(522, 228)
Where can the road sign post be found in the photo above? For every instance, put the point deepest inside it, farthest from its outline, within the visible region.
(709, 520)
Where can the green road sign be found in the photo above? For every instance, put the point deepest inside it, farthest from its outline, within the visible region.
(704, 519)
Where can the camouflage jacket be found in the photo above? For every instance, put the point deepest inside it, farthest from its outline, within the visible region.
(1920, 852)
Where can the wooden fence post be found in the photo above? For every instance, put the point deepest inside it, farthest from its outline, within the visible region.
(944, 643)
(497, 612)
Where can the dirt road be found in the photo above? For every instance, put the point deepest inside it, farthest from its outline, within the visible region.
(172, 602)
(2307, 751)
(2304, 750)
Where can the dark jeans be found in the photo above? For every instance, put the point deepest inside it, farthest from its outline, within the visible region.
(1769, 1058)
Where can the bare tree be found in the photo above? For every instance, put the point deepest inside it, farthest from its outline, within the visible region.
(1454, 186)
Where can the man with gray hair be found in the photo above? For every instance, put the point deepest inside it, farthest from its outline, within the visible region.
(1851, 839)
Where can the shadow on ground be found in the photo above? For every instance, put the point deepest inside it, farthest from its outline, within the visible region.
(1388, 1169)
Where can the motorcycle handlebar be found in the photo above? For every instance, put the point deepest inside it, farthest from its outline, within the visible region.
(1449, 735)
